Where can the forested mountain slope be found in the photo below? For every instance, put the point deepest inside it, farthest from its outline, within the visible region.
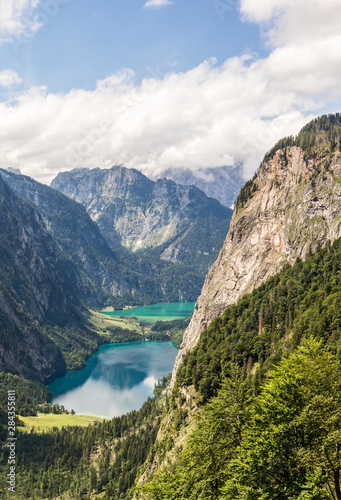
(255, 411)
(42, 308)
(291, 207)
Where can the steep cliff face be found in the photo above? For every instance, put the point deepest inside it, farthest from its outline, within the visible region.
(33, 290)
(30, 265)
(292, 207)
(87, 259)
(181, 222)
(114, 200)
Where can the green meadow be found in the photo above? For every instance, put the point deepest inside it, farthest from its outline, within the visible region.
(44, 421)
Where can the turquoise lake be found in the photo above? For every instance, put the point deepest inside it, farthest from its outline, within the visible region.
(117, 379)
(158, 312)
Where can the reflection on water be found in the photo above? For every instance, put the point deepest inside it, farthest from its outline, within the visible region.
(117, 379)
(119, 376)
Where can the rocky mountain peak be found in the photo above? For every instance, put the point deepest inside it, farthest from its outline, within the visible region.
(220, 183)
(140, 214)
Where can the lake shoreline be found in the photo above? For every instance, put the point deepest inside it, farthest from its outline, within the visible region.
(112, 329)
(128, 331)
(117, 379)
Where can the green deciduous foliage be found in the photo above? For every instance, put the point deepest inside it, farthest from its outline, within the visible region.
(291, 449)
(282, 445)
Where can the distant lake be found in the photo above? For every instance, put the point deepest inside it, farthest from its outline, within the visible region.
(117, 379)
(158, 312)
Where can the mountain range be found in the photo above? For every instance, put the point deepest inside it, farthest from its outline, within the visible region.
(253, 408)
(87, 259)
(57, 262)
(176, 223)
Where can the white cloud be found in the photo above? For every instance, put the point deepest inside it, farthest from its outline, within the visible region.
(208, 116)
(18, 17)
(157, 3)
(9, 78)
(297, 21)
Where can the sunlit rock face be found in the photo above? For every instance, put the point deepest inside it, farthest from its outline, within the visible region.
(294, 207)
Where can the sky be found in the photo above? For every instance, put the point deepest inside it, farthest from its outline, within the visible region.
(158, 84)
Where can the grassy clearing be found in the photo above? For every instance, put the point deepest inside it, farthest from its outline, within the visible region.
(112, 309)
(45, 421)
(100, 322)
(129, 329)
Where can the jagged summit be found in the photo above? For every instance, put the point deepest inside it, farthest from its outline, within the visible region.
(221, 183)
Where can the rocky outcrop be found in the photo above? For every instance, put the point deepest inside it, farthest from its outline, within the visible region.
(293, 207)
